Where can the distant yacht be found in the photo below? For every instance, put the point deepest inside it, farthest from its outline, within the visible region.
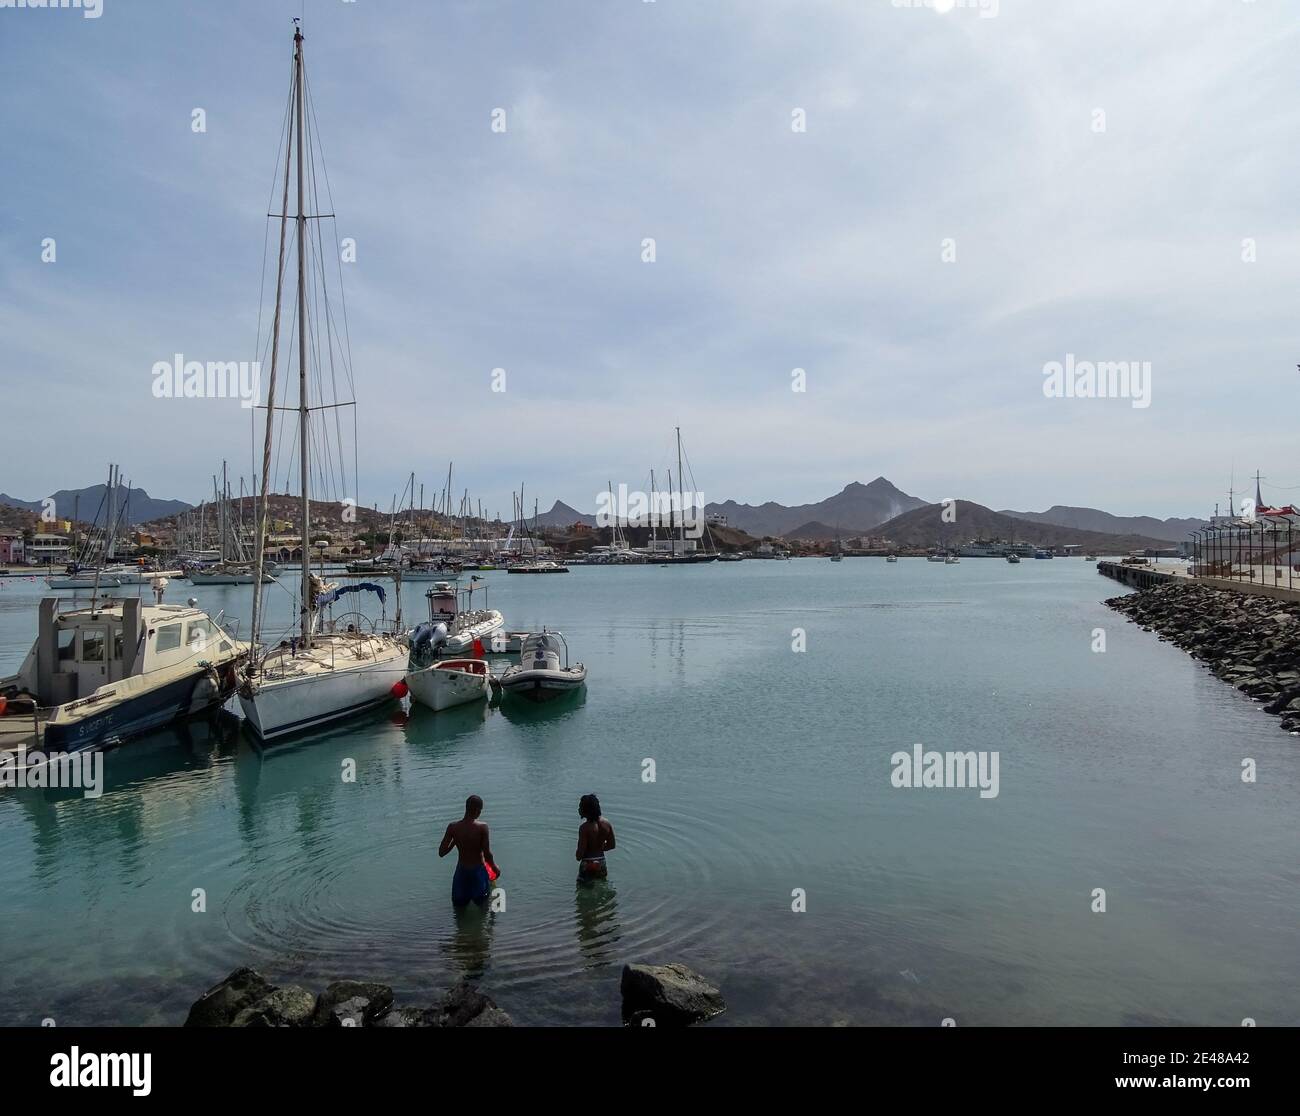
(1013, 558)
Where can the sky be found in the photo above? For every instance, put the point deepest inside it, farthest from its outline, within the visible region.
(972, 196)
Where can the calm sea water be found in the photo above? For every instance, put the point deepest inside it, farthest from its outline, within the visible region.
(1118, 770)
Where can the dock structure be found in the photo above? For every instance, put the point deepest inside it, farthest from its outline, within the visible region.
(1146, 576)
(1141, 576)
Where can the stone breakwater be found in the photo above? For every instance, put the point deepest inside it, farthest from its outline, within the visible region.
(1250, 642)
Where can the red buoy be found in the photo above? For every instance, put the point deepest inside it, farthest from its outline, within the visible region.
(400, 689)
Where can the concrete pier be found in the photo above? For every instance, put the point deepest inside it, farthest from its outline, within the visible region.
(1140, 577)
(1143, 577)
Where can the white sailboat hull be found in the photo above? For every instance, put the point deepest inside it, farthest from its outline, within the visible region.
(341, 676)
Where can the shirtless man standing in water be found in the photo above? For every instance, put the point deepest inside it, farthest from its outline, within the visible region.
(469, 837)
(595, 839)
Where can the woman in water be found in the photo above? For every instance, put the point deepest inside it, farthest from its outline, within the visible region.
(595, 839)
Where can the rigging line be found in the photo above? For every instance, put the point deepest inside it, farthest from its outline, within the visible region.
(327, 317)
(261, 351)
(329, 195)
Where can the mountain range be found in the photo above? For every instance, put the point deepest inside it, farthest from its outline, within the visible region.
(1090, 519)
(853, 510)
(86, 503)
(856, 509)
(927, 526)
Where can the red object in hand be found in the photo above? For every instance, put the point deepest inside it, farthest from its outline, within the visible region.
(400, 689)
(493, 872)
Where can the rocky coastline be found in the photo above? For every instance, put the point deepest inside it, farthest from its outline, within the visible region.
(653, 995)
(1251, 642)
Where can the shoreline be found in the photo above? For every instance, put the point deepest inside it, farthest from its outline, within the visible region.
(1250, 642)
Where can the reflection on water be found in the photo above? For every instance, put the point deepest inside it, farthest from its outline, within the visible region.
(595, 904)
(318, 856)
(470, 946)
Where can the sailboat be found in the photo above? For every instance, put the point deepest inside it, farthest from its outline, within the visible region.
(234, 568)
(324, 673)
(682, 556)
(837, 552)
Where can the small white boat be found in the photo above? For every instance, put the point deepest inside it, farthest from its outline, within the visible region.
(450, 682)
(936, 557)
(539, 675)
(891, 557)
(537, 568)
(951, 560)
(1013, 558)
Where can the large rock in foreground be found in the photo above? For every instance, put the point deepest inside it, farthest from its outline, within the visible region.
(219, 1005)
(246, 999)
(285, 1007)
(670, 995)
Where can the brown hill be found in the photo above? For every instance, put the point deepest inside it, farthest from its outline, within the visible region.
(926, 527)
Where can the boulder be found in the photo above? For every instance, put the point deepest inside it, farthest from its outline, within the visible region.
(464, 1006)
(285, 1007)
(377, 999)
(408, 1017)
(219, 1005)
(348, 1013)
(672, 995)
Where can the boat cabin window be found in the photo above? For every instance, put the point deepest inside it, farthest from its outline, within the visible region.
(92, 646)
(67, 643)
(197, 635)
(169, 637)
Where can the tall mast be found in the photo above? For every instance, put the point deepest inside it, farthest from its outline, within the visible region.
(110, 526)
(260, 541)
(304, 414)
(225, 507)
(654, 515)
(681, 490)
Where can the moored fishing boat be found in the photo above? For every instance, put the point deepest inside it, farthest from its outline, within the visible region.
(101, 674)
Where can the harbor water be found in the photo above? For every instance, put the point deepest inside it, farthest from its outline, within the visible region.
(738, 725)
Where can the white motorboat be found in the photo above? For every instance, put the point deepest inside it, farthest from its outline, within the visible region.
(537, 568)
(449, 682)
(539, 675)
(951, 560)
(452, 630)
(225, 573)
(940, 557)
(329, 670)
(99, 675)
(1013, 558)
(84, 579)
(891, 557)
